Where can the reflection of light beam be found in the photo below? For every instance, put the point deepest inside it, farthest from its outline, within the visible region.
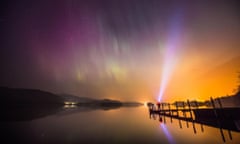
(167, 134)
(170, 55)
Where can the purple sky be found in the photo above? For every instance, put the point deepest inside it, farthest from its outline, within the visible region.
(85, 47)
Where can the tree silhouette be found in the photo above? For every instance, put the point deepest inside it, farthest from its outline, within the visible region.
(238, 87)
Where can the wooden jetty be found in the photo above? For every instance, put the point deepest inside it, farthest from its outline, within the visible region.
(217, 117)
(184, 110)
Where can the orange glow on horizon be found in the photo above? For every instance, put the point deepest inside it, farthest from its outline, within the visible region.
(204, 80)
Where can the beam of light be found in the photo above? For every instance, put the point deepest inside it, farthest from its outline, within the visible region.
(167, 71)
(170, 55)
(167, 134)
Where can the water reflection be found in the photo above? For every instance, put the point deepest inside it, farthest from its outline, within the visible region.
(167, 134)
(122, 125)
(28, 112)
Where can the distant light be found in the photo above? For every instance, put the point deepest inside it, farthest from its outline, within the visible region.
(145, 104)
(69, 106)
(70, 103)
(67, 103)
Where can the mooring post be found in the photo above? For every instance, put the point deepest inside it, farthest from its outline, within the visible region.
(180, 124)
(184, 114)
(163, 108)
(170, 113)
(169, 110)
(164, 112)
(177, 109)
(219, 102)
(189, 108)
(196, 104)
(216, 116)
(221, 108)
(214, 108)
(223, 115)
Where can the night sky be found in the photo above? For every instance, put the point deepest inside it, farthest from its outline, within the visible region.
(121, 49)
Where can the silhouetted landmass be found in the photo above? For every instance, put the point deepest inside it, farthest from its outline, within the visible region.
(92, 103)
(28, 104)
(77, 99)
(20, 97)
(104, 104)
(84, 101)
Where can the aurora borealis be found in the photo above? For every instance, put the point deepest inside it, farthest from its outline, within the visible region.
(118, 48)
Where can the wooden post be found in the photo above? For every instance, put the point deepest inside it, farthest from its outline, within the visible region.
(216, 115)
(180, 124)
(196, 103)
(164, 119)
(214, 108)
(219, 102)
(177, 109)
(221, 108)
(184, 114)
(223, 115)
(163, 108)
(170, 113)
(189, 108)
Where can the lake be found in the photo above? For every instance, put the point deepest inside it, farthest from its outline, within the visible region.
(117, 126)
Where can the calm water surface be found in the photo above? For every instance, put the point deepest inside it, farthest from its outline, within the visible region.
(123, 125)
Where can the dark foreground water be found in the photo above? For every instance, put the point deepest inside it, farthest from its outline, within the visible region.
(123, 125)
